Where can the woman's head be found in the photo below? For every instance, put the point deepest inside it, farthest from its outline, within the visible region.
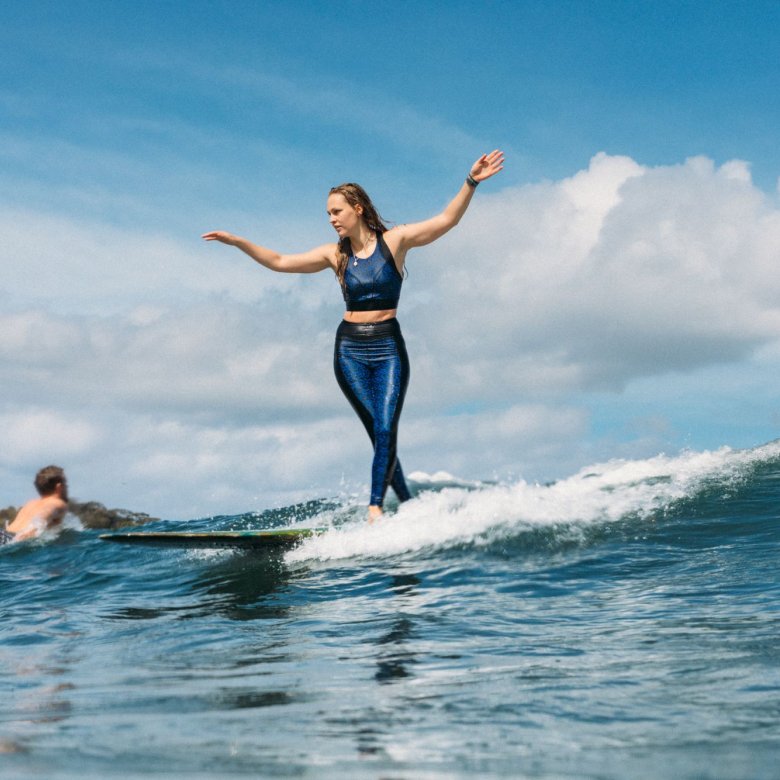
(349, 203)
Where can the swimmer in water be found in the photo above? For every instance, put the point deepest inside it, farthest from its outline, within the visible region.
(42, 513)
(370, 360)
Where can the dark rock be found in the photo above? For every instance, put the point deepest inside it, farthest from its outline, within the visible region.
(94, 515)
(7, 514)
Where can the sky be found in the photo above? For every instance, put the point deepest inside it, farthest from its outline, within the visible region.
(613, 293)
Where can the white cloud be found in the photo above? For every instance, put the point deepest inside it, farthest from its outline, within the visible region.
(493, 443)
(222, 359)
(34, 436)
(213, 468)
(89, 266)
(616, 273)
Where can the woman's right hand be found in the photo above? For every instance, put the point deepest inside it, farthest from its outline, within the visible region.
(220, 235)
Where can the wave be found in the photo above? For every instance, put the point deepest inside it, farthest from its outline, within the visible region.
(447, 512)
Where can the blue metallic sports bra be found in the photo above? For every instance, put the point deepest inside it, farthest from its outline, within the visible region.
(372, 283)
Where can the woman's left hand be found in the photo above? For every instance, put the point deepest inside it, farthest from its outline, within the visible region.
(488, 165)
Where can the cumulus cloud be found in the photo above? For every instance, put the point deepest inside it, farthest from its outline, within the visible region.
(32, 436)
(212, 390)
(618, 272)
(222, 360)
(214, 468)
(493, 443)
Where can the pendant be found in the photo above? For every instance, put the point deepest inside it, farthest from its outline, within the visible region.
(355, 263)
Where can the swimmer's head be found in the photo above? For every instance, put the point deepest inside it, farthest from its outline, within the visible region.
(48, 479)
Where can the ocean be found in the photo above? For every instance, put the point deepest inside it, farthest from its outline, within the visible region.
(619, 623)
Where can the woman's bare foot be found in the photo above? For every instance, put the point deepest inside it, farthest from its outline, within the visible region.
(374, 513)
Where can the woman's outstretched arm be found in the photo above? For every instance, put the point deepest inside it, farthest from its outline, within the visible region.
(427, 231)
(317, 259)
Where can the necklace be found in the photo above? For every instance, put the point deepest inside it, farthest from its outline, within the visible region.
(366, 243)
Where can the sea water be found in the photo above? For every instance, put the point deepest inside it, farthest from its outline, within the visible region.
(621, 623)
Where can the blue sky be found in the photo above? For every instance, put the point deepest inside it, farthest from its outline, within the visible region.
(611, 294)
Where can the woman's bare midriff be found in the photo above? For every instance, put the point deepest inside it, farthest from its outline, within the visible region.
(362, 317)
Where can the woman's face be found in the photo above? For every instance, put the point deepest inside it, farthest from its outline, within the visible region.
(344, 218)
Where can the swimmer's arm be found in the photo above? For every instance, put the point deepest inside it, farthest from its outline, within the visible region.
(317, 259)
(427, 231)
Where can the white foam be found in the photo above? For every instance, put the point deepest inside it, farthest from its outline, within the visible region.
(600, 493)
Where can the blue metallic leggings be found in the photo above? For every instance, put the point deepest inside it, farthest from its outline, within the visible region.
(372, 369)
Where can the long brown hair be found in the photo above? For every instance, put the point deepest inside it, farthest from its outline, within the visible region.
(355, 195)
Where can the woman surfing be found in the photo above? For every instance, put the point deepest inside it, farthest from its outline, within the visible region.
(370, 360)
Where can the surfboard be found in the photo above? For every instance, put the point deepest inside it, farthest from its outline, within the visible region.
(281, 537)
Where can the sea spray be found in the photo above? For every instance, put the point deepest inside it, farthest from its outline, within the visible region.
(601, 493)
